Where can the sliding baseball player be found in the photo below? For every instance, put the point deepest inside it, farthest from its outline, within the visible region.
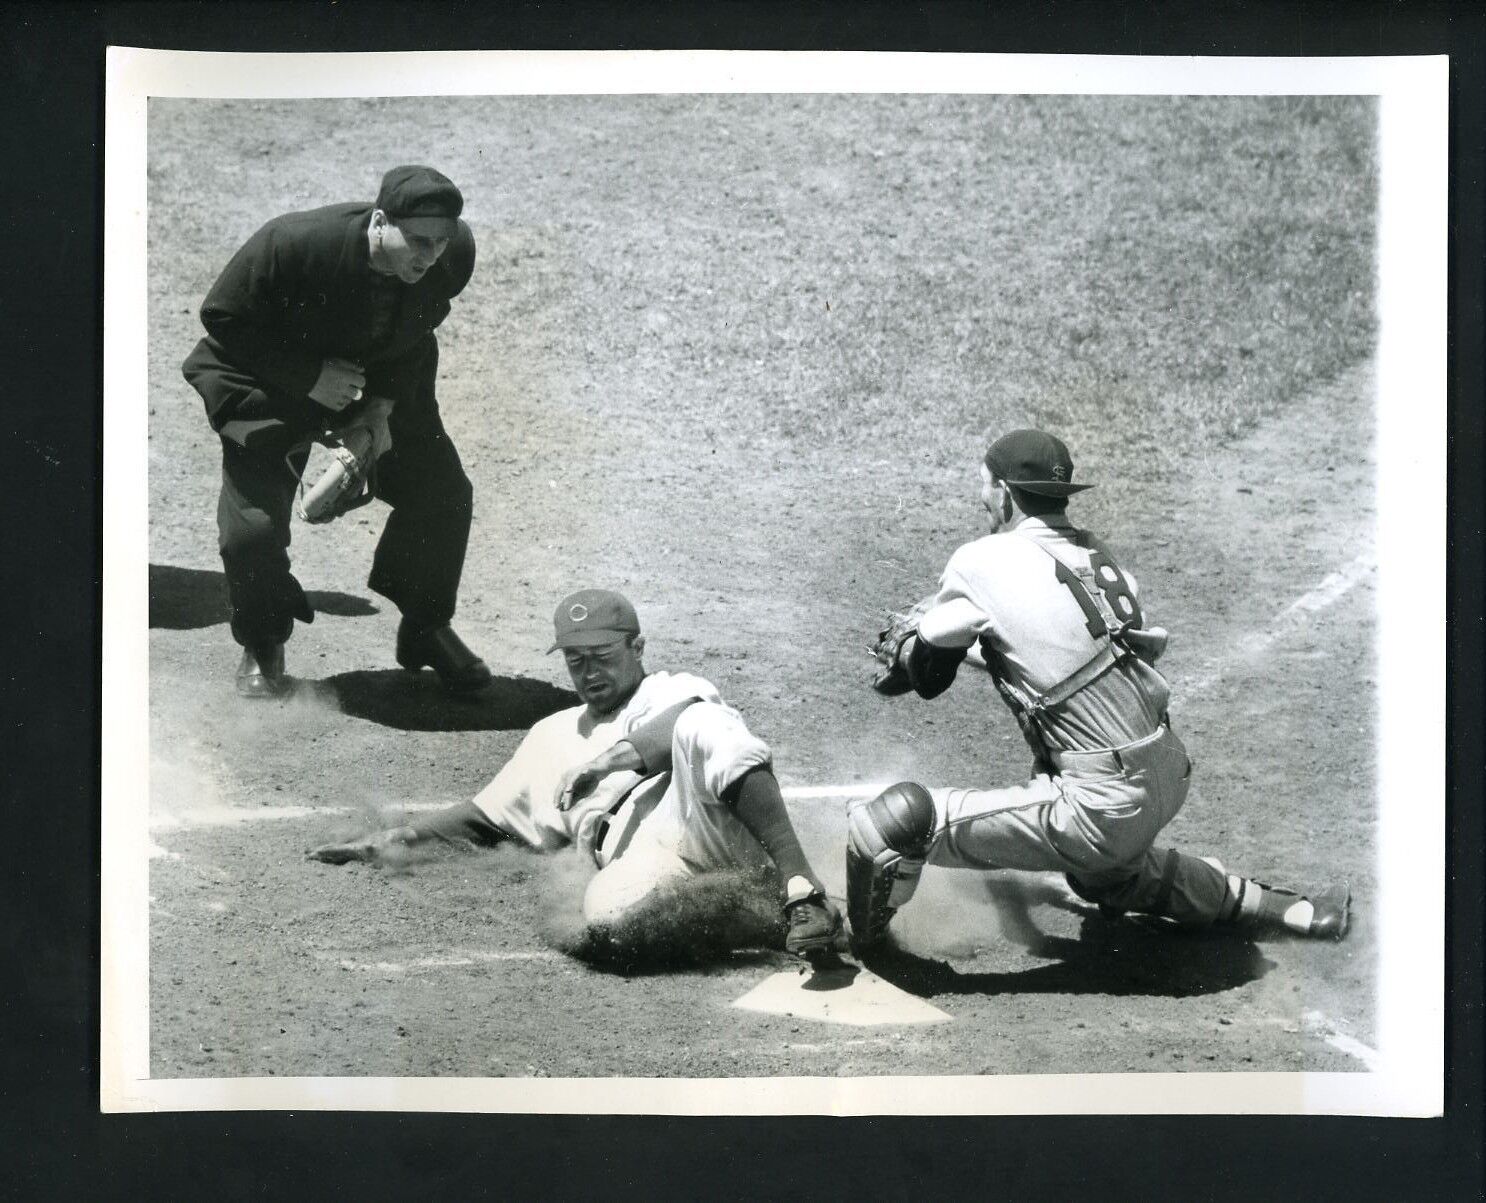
(653, 776)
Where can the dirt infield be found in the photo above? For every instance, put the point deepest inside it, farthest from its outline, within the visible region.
(735, 356)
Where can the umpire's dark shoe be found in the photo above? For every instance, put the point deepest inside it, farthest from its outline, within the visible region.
(260, 673)
(439, 648)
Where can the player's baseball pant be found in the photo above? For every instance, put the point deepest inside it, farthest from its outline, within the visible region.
(690, 830)
(1096, 820)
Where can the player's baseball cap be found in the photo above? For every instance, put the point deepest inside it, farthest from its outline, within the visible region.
(421, 201)
(592, 617)
(1035, 461)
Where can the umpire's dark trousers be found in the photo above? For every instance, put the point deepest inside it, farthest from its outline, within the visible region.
(418, 560)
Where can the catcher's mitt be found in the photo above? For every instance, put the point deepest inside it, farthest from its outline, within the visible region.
(892, 673)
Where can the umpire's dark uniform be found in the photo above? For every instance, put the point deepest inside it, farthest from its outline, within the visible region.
(300, 291)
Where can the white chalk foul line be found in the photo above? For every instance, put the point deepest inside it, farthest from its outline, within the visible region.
(228, 816)
(457, 961)
(1331, 589)
(1333, 586)
(794, 793)
(1354, 1048)
(1317, 1023)
(834, 793)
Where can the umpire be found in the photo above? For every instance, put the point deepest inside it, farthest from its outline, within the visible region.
(321, 316)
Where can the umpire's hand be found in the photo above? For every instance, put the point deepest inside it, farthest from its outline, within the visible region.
(341, 383)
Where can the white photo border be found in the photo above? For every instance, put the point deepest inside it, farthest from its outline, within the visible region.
(1411, 546)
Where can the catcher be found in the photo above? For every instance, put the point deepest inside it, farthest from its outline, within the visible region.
(1063, 635)
(652, 776)
(321, 329)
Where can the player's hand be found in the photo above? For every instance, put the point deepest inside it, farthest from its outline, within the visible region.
(368, 848)
(578, 783)
(364, 849)
(341, 383)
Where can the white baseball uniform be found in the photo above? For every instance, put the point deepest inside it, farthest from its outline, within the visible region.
(642, 832)
(1111, 773)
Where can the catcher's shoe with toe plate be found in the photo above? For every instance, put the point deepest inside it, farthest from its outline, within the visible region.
(1107, 910)
(439, 648)
(260, 672)
(813, 925)
(1333, 913)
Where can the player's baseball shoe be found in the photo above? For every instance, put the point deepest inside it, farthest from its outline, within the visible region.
(1333, 912)
(1107, 910)
(439, 648)
(1284, 910)
(260, 673)
(813, 924)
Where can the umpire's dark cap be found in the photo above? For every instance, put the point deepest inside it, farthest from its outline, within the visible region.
(592, 618)
(1035, 461)
(421, 201)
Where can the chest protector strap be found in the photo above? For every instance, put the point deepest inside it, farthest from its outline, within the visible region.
(1112, 649)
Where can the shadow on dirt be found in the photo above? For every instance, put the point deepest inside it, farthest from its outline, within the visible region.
(415, 701)
(1110, 956)
(184, 599)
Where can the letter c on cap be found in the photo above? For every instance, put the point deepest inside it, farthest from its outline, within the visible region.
(578, 612)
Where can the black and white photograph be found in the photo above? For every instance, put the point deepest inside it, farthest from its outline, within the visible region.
(765, 583)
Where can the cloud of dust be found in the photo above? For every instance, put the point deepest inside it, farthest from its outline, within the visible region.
(821, 825)
(559, 883)
(178, 786)
(366, 813)
(307, 708)
(680, 925)
(947, 917)
(306, 700)
(884, 769)
(957, 914)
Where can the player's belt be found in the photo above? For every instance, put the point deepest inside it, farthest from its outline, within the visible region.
(1122, 758)
(607, 820)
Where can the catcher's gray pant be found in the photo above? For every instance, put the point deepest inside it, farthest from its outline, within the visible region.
(1095, 820)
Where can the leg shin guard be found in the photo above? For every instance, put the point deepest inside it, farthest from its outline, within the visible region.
(887, 840)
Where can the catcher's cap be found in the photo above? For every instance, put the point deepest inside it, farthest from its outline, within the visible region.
(1035, 461)
(592, 617)
(421, 201)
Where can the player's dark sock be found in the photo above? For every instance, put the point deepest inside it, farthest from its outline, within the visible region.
(759, 804)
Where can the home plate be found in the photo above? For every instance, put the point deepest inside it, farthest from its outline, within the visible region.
(850, 995)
